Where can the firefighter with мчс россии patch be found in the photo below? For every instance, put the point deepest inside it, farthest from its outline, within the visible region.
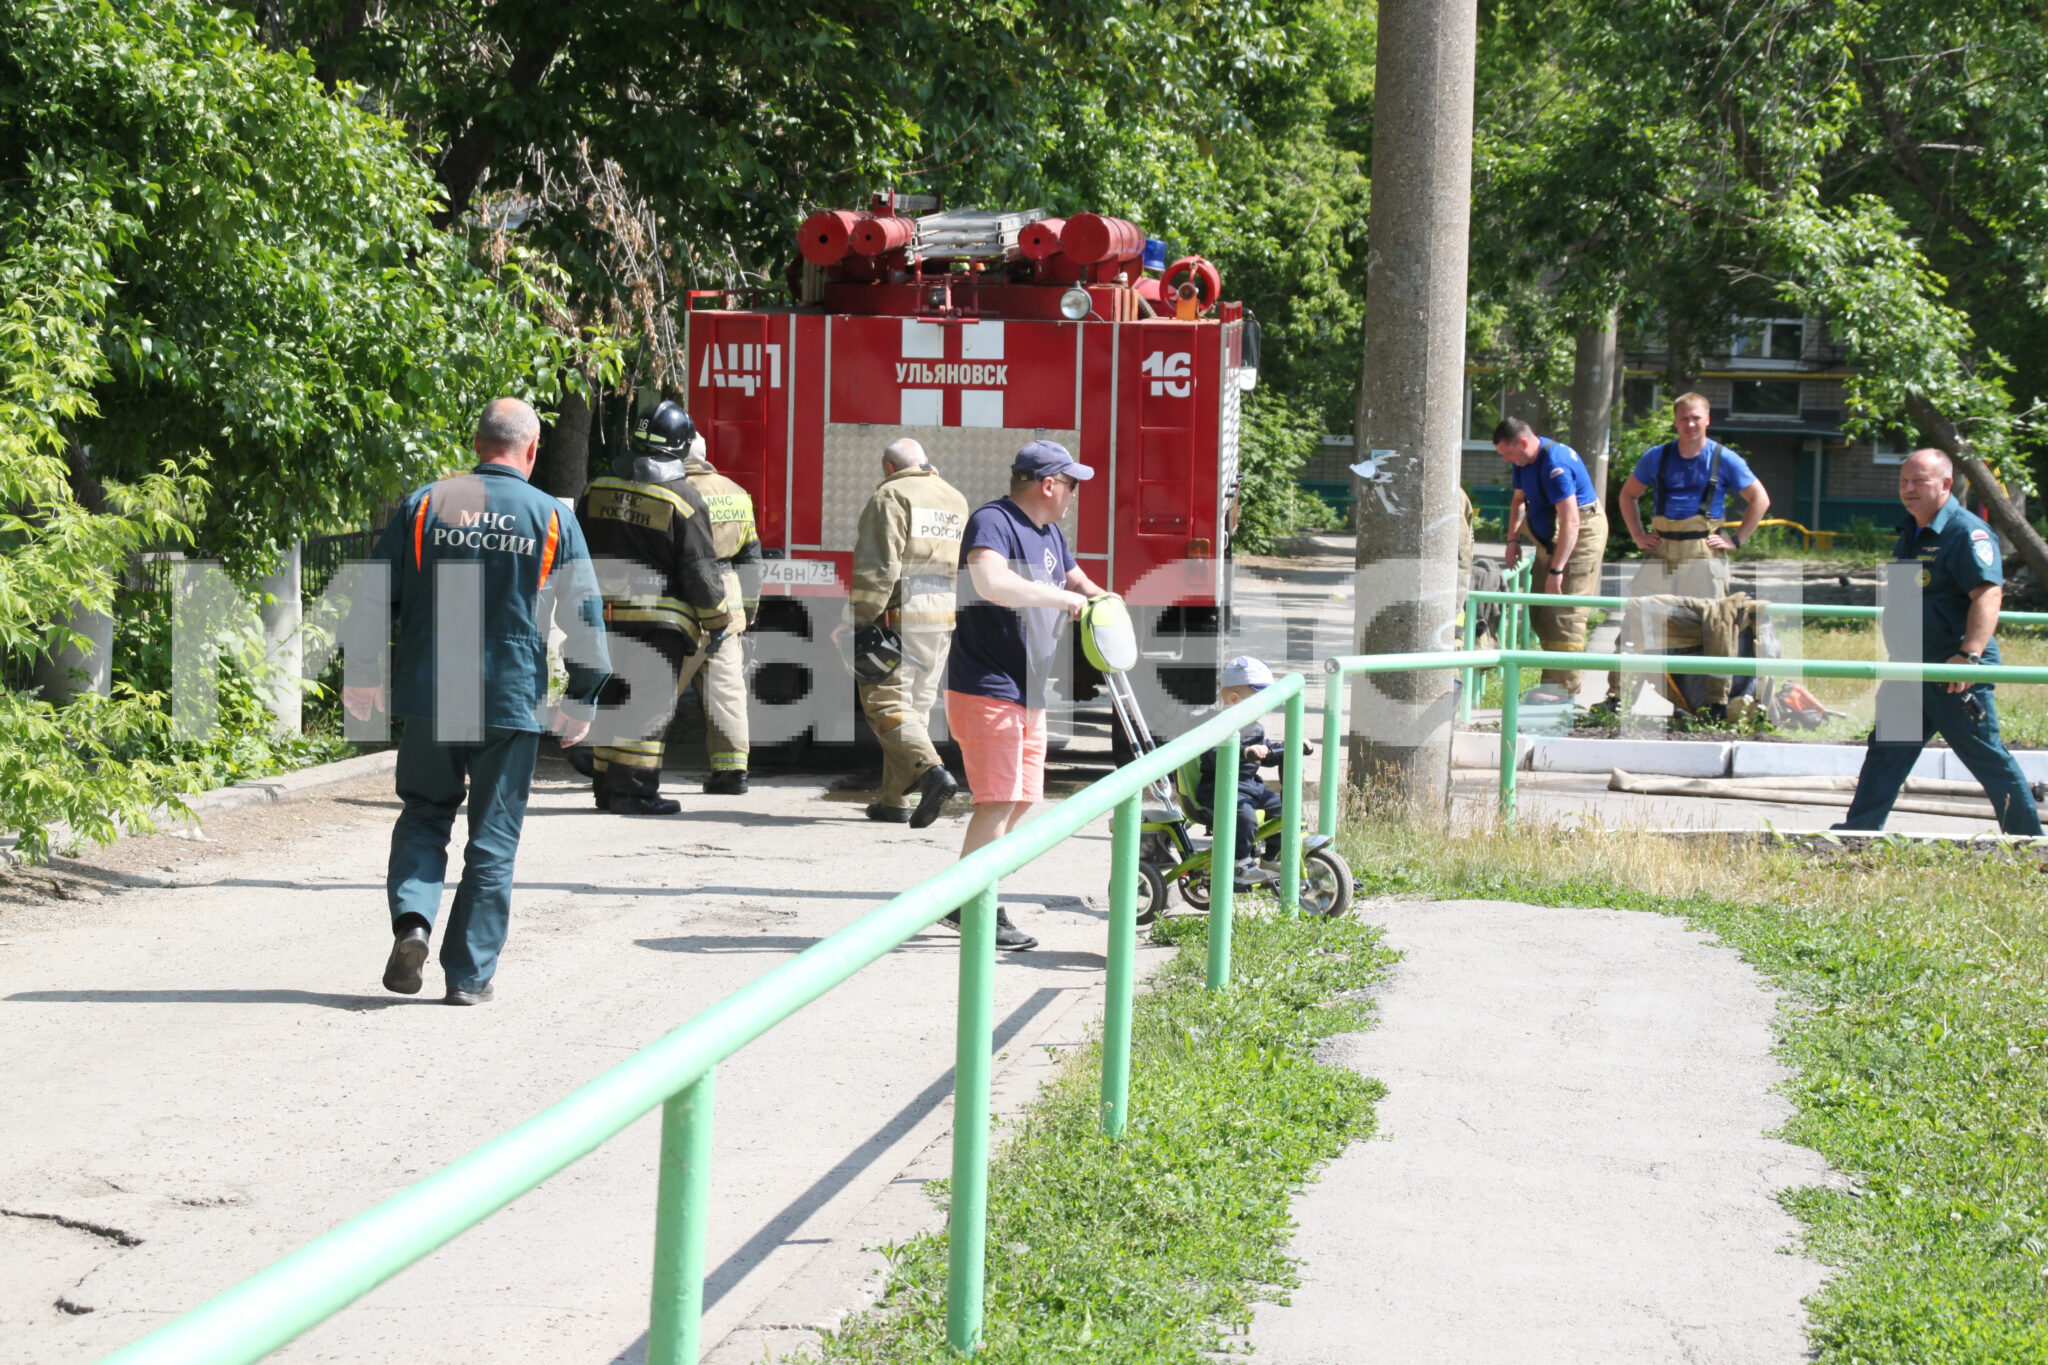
(663, 586)
(724, 678)
(906, 562)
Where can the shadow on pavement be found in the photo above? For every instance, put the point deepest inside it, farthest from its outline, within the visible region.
(776, 1231)
(219, 997)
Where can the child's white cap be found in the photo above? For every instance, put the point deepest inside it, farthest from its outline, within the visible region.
(1245, 671)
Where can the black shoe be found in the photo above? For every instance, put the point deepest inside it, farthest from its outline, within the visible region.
(408, 955)
(726, 782)
(889, 815)
(579, 757)
(482, 995)
(934, 789)
(644, 805)
(1008, 935)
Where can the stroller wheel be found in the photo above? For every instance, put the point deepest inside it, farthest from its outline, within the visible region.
(1151, 893)
(1326, 884)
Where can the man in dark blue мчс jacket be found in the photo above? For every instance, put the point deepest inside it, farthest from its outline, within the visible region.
(480, 563)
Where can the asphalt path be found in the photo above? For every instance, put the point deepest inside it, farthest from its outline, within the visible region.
(203, 1074)
(1573, 1163)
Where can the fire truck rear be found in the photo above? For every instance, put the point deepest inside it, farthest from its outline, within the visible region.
(976, 332)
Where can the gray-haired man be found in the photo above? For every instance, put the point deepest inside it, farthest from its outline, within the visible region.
(906, 556)
(506, 556)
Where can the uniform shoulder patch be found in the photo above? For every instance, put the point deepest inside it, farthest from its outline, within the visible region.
(1986, 553)
(1980, 534)
(936, 523)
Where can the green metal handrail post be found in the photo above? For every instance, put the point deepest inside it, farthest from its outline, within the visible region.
(1290, 807)
(255, 1317)
(1123, 965)
(1510, 731)
(1223, 859)
(682, 1201)
(1471, 675)
(967, 1229)
(1333, 741)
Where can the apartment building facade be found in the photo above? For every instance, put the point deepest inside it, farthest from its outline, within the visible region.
(1776, 393)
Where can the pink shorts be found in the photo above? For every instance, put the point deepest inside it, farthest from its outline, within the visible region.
(1002, 746)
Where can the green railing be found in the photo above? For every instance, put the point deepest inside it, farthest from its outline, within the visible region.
(1511, 662)
(1515, 630)
(677, 1072)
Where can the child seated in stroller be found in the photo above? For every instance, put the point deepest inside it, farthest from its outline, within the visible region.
(1242, 677)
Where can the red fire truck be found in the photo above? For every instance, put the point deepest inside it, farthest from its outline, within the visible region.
(976, 332)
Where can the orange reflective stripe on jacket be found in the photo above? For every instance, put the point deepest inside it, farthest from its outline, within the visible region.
(419, 531)
(547, 550)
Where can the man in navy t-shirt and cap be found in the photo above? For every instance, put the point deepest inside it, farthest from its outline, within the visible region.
(1020, 582)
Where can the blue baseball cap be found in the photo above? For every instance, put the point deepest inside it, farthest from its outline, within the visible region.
(1245, 671)
(1043, 459)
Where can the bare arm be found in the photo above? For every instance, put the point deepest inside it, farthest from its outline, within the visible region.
(1080, 582)
(996, 582)
(1632, 492)
(1518, 512)
(1567, 537)
(1758, 502)
(1979, 626)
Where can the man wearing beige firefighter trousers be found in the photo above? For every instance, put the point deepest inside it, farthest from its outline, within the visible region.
(1688, 540)
(723, 680)
(1555, 506)
(905, 562)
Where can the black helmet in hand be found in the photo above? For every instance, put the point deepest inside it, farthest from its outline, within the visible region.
(668, 430)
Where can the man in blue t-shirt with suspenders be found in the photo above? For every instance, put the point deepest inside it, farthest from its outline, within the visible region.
(1556, 505)
(1688, 540)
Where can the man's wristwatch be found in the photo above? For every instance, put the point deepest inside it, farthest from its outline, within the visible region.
(1974, 658)
(1734, 538)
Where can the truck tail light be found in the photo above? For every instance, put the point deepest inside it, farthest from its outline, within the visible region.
(1198, 548)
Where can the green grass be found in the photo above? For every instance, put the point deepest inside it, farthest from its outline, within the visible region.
(1152, 1248)
(2022, 711)
(1917, 1027)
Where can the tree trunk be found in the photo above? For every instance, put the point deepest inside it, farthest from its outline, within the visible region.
(1410, 409)
(2006, 519)
(565, 460)
(1593, 386)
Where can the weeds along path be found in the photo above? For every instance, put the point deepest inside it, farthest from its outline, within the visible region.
(1571, 1163)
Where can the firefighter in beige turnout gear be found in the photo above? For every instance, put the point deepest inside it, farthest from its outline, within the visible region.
(723, 680)
(906, 559)
(1689, 538)
(1556, 506)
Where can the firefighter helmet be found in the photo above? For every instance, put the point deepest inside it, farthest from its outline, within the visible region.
(668, 430)
(877, 653)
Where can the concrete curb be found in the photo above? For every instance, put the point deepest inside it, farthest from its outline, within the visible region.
(293, 786)
(301, 785)
(1707, 758)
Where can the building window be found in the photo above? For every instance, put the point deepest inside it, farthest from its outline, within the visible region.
(1639, 398)
(1483, 408)
(1891, 446)
(1778, 339)
(1765, 398)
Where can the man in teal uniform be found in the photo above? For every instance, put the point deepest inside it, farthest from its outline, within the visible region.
(480, 563)
(1961, 587)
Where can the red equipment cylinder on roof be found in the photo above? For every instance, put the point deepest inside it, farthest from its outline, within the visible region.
(826, 237)
(883, 233)
(1090, 238)
(1041, 239)
(1207, 280)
